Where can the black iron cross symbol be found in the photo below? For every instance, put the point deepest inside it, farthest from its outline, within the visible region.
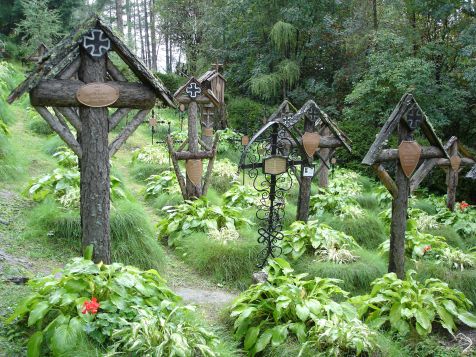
(96, 43)
(313, 114)
(414, 118)
(193, 90)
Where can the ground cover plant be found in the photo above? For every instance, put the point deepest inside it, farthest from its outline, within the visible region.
(116, 308)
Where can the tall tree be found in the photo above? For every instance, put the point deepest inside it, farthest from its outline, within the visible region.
(119, 16)
(153, 36)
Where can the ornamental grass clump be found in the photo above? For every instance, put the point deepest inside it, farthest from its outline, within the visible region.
(411, 307)
(268, 313)
(119, 309)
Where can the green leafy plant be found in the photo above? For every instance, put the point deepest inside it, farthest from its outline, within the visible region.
(408, 306)
(230, 140)
(267, 313)
(114, 306)
(327, 243)
(150, 154)
(241, 196)
(165, 182)
(199, 216)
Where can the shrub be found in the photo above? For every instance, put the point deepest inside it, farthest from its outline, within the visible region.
(245, 115)
(165, 182)
(229, 141)
(407, 306)
(40, 127)
(150, 154)
(115, 306)
(242, 196)
(326, 243)
(224, 174)
(198, 216)
(171, 81)
(286, 305)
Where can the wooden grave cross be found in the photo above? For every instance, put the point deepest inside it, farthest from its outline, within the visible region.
(321, 138)
(405, 119)
(459, 158)
(80, 82)
(193, 186)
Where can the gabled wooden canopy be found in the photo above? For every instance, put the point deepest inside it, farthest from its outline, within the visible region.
(398, 116)
(206, 95)
(285, 108)
(309, 109)
(65, 55)
(211, 74)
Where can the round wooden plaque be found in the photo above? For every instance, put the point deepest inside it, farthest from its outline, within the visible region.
(194, 171)
(409, 153)
(333, 161)
(97, 95)
(455, 162)
(153, 122)
(311, 142)
(182, 107)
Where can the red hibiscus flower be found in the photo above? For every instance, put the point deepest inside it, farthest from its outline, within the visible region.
(91, 306)
(426, 249)
(463, 205)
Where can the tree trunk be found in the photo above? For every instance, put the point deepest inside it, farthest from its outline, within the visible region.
(129, 22)
(398, 226)
(147, 35)
(94, 181)
(153, 37)
(452, 180)
(168, 69)
(119, 14)
(142, 46)
(374, 14)
(305, 185)
(192, 190)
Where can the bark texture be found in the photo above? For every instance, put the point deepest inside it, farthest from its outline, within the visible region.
(192, 190)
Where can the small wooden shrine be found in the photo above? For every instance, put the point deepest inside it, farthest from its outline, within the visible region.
(216, 82)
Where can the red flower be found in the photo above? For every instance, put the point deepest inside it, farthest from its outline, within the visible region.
(91, 306)
(426, 249)
(463, 205)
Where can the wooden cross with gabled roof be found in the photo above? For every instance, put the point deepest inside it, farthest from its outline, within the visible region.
(406, 118)
(79, 82)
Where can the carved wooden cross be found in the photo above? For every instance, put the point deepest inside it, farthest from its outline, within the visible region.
(84, 103)
(192, 187)
(405, 120)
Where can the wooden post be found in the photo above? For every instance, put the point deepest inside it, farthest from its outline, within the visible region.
(94, 181)
(452, 179)
(304, 185)
(324, 172)
(193, 191)
(396, 262)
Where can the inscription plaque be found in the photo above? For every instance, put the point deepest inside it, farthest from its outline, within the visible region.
(245, 139)
(409, 153)
(311, 141)
(194, 171)
(97, 95)
(208, 131)
(275, 165)
(455, 162)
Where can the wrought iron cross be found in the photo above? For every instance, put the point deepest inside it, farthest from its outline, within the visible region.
(96, 43)
(193, 90)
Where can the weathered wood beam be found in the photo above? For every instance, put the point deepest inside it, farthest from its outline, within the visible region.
(465, 161)
(114, 72)
(204, 145)
(452, 179)
(71, 116)
(187, 155)
(60, 118)
(386, 179)
(70, 70)
(178, 174)
(62, 93)
(208, 174)
(117, 116)
(428, 152)
(61, 130)
(127, 131)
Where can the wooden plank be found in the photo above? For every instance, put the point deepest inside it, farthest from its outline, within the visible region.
(127, 131)
(61, 130)
(117, 116)
(70, 70)
(114, 72)
(427, 152)
(208, 174)
(386, 179)
(71, 116)
(176, 166)
(387, 130)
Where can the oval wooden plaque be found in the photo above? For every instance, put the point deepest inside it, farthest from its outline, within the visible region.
(153, 122)
(409, 153)
(182, 107)
(455, 162)
(97, 95)
(333, 161)
(310, 141)
(194, 171)
(208, 131)
(245, 139)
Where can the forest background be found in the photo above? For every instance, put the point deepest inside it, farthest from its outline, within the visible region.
(355, 58)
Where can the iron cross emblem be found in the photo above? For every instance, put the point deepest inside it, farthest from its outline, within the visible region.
(193, 90)
(414, 118)
(313, 114)
(96, 43)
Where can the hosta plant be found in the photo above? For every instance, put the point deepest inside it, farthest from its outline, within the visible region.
(165, 182)
(199, 216)
(107, 304)
(287, 305)
(224, 235)
(328, 244)
(409, 306)
(229, 140)
(151, 154)
(241, 195)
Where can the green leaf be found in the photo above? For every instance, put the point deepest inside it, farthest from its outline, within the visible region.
(302, 312)
(251, 337)
(88, 252)
(279, 335)
(263, 341)
(38, 312)
(66, 336)
(34, 344)
(423, 319)
(467, 318)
